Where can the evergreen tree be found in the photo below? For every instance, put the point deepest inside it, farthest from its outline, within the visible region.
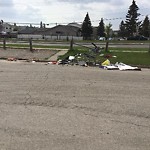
(87, 29)
(101, 29)
(145, 27)
(122, 29)
(15, 27)
(41, 24)
(132, 24)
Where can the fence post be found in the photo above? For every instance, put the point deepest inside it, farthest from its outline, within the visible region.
(71, 44)
(149, 36)
(106, 49)
(4, 43)
(30, 43)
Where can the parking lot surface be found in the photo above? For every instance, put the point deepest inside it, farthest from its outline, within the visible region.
(54, 107)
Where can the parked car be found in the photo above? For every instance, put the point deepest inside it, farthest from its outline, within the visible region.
(138, 37)
(102, 38)
(121, 39)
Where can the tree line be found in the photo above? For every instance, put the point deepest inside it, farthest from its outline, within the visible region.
(130, 27)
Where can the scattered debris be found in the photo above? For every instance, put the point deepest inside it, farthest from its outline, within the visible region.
(83, 59)
(82, 63)
(106, 63)
(108, 66)
(71, 58)
(123, 66)
(33, 61)
(118, 66)
(52, 62)
(12, 59)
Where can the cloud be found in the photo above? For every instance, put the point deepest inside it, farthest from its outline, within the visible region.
(7, 3)
(83, 1)
(65, 11)
(6, 9)
(19, 11)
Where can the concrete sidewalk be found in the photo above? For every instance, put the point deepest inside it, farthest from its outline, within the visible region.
(59, 53)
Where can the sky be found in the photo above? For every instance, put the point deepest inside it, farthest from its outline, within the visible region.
(54, 12)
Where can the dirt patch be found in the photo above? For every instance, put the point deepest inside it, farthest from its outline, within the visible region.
(39, 54)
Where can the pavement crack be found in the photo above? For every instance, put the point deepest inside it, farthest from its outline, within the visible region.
(94, 113)
(131, 123)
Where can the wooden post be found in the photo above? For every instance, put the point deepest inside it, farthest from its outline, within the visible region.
(4, 43)
(71, 44)
(149, 36)
(106, 49)
(30, 44)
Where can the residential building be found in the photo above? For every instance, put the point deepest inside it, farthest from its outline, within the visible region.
(59, 32)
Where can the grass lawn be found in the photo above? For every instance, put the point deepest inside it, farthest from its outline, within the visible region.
(132, 58)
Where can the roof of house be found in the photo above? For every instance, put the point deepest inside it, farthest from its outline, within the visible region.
(64, 30)
(28, 30)
(74, 24)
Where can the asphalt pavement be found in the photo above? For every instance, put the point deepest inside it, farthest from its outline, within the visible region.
(54, 107)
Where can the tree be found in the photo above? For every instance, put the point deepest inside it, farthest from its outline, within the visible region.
(132, 23)
(87, 29)
(108, 30)
(41, 24)
(101, 29)
(15, 27)
(145, 27)
(122, 29)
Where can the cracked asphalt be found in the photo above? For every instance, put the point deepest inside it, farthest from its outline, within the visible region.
(53, 107)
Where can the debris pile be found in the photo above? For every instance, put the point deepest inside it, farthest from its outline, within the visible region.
(93, 58)
(118, 66)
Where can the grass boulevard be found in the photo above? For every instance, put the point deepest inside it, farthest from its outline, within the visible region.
(128, 55)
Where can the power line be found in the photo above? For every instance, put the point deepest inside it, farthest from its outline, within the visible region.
(80, 22)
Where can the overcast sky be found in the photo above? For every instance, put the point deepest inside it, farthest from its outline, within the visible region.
(66, 11)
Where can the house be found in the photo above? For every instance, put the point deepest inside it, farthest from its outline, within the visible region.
(27, 30)
(5, 27)
(64, 30)
(7, 30)
(59, 32)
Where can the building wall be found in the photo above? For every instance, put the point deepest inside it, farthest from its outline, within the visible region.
(7, 28)
(48, 37)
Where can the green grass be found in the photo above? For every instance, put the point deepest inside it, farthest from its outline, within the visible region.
(73, 53)
(128, 49)
(131, 58)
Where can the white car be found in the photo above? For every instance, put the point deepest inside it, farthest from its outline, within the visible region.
(102, 38)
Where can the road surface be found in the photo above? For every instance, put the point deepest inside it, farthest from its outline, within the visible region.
(51, 107)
